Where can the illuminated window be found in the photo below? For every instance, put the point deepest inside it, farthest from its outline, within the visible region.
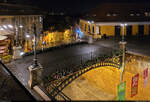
(93, 29)
(108, 14)
(114, 14)
(89, 28)
(131, 14)
(85, 28)
(147, 13)
(94, 15)
(138, 14)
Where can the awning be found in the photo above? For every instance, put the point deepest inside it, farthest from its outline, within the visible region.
(3, 37)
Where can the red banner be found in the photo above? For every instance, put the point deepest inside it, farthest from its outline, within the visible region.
(134, 85)
(145, 76)
(145, 73)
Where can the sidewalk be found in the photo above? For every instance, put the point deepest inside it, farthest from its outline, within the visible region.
(136, 46)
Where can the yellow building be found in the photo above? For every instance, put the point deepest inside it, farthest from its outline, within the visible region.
(107, 19)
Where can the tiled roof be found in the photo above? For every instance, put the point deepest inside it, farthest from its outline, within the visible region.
(17, 9)
(116, 12)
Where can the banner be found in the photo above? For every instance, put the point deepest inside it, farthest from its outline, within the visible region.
(121, 91)
(145, 76)
(134, 85)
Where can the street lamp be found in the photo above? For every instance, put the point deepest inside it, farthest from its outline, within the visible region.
(35, 56)
(35, 69)
(16, 30)
(122, 47)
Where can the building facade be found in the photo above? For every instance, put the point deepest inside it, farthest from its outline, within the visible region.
(107, 19)
(16, 23)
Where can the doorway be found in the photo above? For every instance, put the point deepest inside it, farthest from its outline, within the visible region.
(117, 31)
(141, 30)
(129, 31)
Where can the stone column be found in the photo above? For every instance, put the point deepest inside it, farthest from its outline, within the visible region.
(90, 39)
(17, 48)
(17, 52)
(35, 75)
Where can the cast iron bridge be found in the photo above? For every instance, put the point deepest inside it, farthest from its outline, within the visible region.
(59, 80)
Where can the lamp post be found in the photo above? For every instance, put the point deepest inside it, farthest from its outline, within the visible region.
(16, 30)
(122, 47)
(35, 69)
(21, 29)
(17, 48)
(35, 56)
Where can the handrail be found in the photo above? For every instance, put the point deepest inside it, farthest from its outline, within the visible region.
(17, 81)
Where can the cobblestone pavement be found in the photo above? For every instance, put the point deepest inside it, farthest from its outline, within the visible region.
(137, 46)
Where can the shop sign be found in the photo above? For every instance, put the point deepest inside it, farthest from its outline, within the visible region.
(134, 85)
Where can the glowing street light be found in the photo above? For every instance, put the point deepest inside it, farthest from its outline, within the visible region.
(21, 26)
(22, 53)
(10, 26)
(1, 28)
(5, 26)
(88, 22)
(28, 36)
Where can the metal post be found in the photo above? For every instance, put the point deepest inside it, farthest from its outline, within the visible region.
(123, 55)
(123, 32)
(16, 30)
(35, 56)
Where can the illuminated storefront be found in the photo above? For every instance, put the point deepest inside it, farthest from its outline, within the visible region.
(16, 23)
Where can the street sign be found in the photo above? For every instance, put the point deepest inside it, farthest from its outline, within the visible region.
(134, 85)
(121, 91)
(145, 76)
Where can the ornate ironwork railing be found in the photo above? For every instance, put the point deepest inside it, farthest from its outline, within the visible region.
(58, 80)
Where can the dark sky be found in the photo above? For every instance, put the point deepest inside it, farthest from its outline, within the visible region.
(70, 6)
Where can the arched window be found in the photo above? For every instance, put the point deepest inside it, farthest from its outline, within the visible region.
(89, 29)
(93, 29)
(85, 28)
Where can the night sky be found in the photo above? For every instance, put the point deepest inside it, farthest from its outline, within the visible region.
(75, 6)
(69, 6)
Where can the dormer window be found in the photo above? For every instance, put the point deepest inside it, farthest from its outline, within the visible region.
(114, 14)
(147, 13)
(108, 14)
(131, 14)
(94, 15)
(137, 14)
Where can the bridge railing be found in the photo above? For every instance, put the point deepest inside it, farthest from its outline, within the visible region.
(74, 64)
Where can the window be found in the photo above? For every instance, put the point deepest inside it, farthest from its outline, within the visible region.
(114, 14)
(137, 14)
(147, 13)
(94, 15)
(85, 28)
(131, 14)
(93, 29)
(89, 29)
(108, 14)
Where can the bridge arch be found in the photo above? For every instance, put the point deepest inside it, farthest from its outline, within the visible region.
(70, 78)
